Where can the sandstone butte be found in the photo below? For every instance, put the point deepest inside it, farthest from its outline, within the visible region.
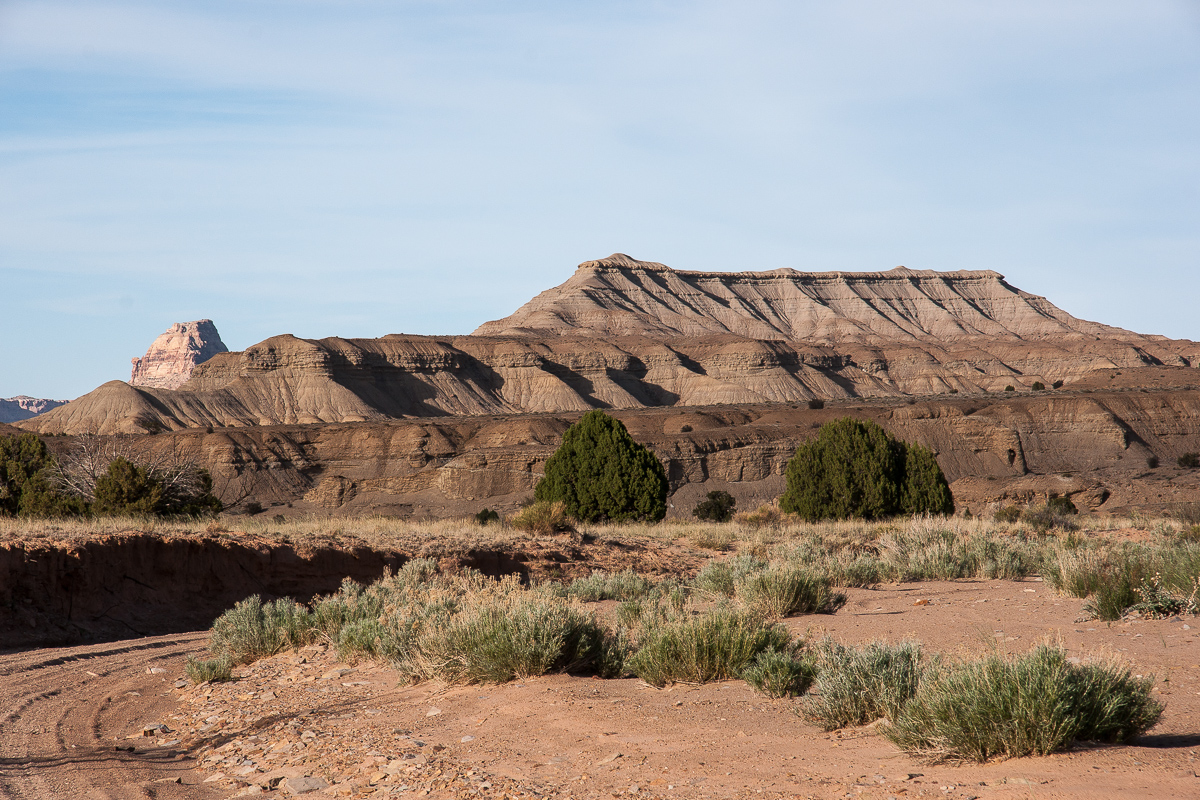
(710, 370)
(171, 358)
(622, 333)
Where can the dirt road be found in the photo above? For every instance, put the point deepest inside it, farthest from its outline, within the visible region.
(67, 713)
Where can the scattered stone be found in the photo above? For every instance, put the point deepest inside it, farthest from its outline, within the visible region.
(609, 758)
(304, 785)
(433, 712)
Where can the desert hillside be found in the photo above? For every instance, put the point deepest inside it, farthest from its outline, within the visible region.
(622, 333)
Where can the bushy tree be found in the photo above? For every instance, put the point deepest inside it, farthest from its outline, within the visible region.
(127, 488)
(130, 488)
(716, 507)
(26, 465)
(855, 469)
(600, 473)
(924, 488)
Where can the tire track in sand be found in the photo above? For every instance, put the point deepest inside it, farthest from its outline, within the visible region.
(66, 713)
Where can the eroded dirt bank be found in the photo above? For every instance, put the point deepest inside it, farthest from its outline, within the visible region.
(117, 586)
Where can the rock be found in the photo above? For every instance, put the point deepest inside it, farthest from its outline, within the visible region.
(169, 362)
(15, 409)
(303, 785)
(609, 758)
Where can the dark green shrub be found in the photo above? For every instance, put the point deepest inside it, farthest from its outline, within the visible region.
(1058, 512)
(1008, 514)
(718, 506)
(254, 507)
(1057, 385)
(779, 674)
(601, 473)
(924, 488)
(26, 488)
(129, 488)
(1010, 388)
(1038, 386)
(1061, 505)
(1152, 462)
(126, 488)
(487, 515)
(1189, 460)
(855, 469)
(856, 686)
(1010, 706)
(816, 404)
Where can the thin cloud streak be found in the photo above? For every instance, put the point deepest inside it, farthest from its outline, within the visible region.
(443, 163)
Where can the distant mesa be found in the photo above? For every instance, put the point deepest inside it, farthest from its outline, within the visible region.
(169, 362)
(624, 333)
(14, 409)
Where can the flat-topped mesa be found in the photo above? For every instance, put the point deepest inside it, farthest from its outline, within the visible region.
(622, 333)
(622, 296)
(170, 360)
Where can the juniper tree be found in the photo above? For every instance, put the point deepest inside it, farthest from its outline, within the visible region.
(601, 473)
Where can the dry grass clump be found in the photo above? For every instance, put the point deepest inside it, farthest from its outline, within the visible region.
(713, 536)
(856, 686)
(1152, 580)
(1033, 704)
(543, 517)
(210, 670)
(767, 516)
(713, 646)
(779, 674)
(600, 585)
(462, 629)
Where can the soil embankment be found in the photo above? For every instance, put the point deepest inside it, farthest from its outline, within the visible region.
(118, 586)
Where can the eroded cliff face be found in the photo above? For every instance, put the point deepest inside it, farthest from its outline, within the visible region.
(624, 334)
(1093, 447)
(171, 358)
(15, 409)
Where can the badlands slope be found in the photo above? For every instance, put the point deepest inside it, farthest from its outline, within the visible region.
(622, 333)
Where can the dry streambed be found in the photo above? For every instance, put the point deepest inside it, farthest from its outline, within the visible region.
(303, 723)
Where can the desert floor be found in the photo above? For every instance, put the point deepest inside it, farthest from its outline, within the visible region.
(75, 720)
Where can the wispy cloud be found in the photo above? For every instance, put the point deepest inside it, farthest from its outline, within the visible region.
(423, 166)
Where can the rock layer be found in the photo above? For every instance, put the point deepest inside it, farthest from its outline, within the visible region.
(627, 334)
(170, 360)
(1094, 447)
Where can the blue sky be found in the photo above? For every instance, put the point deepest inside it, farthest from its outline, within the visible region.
(358, 168)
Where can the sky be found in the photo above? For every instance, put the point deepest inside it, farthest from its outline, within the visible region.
(357, 167)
